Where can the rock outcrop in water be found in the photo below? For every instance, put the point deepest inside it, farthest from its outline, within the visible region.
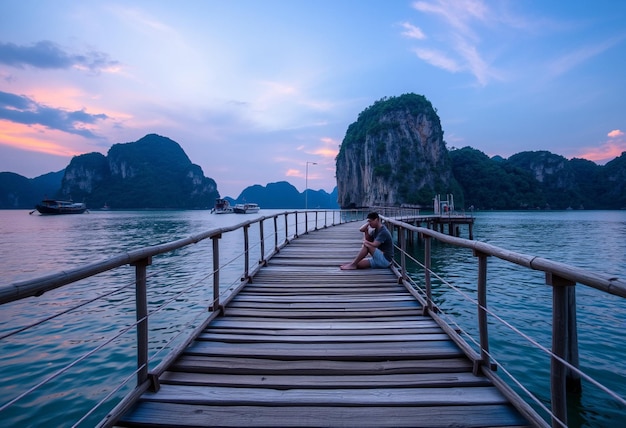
(394, 154)
(153, 172)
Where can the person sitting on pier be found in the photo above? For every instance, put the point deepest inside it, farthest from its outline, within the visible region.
(377, 253)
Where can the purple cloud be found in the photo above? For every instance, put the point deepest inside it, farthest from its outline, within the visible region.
(21, 109)
(47, 55)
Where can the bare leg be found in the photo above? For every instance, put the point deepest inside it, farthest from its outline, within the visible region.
(359, 261)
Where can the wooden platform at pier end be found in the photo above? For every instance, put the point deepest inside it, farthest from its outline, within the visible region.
(308, 345)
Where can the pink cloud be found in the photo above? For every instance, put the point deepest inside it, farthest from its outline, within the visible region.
(35, 138)
(605, 152)
(615, 133)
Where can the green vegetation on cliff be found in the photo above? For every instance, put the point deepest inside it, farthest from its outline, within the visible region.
(538, 180)
(153, 172)
(394, 154)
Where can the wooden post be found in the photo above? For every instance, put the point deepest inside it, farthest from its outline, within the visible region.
(316, 212)
(429, 293)
(276, 233)
(401, 232)
(262, 236)
(572, 381)
(306, 222)
(560, 343)
(141, 304)
(482, 307)
(296, 235)
(216, 273)
(246, 252)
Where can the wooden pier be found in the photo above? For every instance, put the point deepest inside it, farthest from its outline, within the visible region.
(306, 344)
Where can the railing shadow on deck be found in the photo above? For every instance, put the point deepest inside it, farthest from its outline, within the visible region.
(565, 375)
(223, 275)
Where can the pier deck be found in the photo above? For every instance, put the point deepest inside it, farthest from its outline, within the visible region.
(306, 344)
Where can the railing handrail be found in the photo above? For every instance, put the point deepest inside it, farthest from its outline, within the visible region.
(603, 282)
(560, 276)
(39, 285)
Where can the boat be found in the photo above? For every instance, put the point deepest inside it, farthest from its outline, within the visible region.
(52, 206)
(222, 206)
(247, 208)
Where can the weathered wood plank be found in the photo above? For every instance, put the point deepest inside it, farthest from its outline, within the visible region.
(173, 414)
(418, 321)
(321, 313)
(322, 332)
(321, 381)
(243, 365)
(363, 351)
(395, 397)
(246, 338)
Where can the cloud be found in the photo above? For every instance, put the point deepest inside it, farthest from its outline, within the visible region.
(459, 40)
(21, 109)
(608, 150)
(457, 13)
(571, 60)
(412, 32)
(329, 148)
(437, 59)
(47, 55)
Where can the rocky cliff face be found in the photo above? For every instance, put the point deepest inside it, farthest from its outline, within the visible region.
(394, 154)
(84, 174)
(153, 172)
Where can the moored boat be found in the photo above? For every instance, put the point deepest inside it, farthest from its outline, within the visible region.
(52, 206)
(222, 206)
(247, 208)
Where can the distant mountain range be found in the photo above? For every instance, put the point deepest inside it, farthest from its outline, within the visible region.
(153, 172)
(284, 195)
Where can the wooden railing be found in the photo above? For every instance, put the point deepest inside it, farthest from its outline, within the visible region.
(293, 224)
(564, 370)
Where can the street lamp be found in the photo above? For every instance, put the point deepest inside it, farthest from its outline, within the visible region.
(306, 184)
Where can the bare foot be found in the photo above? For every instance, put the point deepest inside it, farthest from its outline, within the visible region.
(348, 266)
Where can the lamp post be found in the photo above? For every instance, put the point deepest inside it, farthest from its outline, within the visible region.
(306, 184)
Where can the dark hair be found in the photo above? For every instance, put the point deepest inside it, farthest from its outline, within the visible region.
(373, 215)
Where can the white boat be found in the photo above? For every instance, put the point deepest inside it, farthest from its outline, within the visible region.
(247, 208)
(222, 206)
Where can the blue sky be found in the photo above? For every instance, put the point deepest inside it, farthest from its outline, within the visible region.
(253, 90)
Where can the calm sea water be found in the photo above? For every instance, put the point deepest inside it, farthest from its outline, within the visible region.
(33, 245)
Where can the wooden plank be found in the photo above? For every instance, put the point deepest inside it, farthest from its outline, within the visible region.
(363, 351)
(395, 397)
(321, 381)
(321, 313)
(321, 332)
(325, 305)
(419, 321)
(174, 414)
(246, 338)
(243, 365)
(304, 298)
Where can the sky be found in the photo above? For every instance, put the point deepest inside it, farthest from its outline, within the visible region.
(262, 91)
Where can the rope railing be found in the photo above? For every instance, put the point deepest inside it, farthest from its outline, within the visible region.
(564, 368)
(142, 259)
